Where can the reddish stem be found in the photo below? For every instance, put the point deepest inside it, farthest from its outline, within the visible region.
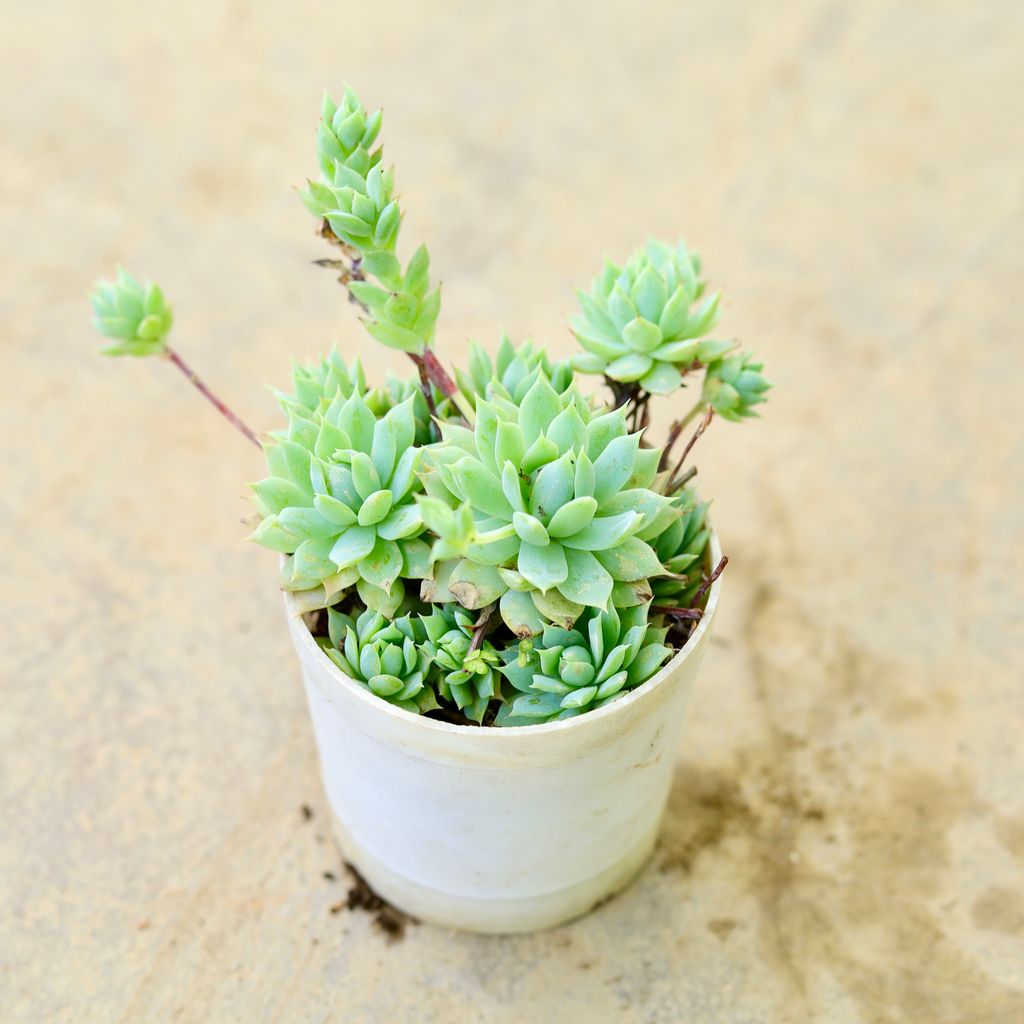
(689, 445)
(676, 612)
(210, 396)
(666, 452)
(480, 628)
(437, 373)
(711, 579)
(685, 478)
(426, 387)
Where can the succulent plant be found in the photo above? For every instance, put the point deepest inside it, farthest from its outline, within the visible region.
(497, 542)
(734, 384)
(339, 501)
(682, 549)
(382, 655)
(569, 671)
(642, 323)
(136, 316)
(468, 674)
(561, 503)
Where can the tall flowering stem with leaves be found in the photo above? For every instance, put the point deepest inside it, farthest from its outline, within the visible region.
(494, 545)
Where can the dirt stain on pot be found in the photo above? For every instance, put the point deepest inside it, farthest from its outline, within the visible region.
(840, 844)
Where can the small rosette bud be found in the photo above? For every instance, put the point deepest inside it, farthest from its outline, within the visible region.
(136, 316)
(682, 548)
(345, 136)
(733, 385)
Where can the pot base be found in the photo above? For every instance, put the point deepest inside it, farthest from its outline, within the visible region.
(494, 916)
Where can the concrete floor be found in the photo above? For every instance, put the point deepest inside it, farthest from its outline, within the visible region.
(846, 836)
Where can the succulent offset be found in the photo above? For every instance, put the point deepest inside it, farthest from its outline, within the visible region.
(682, 550)
(512, 373)
(383, 655)
(498, 548)
(136, 316)
(569, 671)
(467, 675)
(643, 322)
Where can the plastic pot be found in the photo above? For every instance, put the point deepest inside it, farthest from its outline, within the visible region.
(489, 829)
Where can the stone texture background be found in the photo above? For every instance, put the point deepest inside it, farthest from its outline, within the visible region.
(846, 839)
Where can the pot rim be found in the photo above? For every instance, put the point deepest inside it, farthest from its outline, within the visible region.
(589, 718)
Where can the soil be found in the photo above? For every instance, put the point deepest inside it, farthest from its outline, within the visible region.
(391, 921)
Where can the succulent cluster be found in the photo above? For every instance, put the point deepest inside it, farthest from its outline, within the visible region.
(569, 671)
(500, 548)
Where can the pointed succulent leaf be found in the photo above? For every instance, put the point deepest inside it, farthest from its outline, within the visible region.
(545, 567)
(572, 516)
(552, 488)
(476, 586)
(375, 508)
(365, 475)
(604, 532)
(353, 545)
(614, 466)
(587, 582)
(632, 559)
(480, 489)
(538, 409)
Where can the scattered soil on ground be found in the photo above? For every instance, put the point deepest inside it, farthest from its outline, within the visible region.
(391, 921)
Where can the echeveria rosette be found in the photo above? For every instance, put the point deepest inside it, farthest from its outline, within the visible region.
(382, 655)
(643, 322)
(682, 549)
(465, 675)
(339, 501)
(134, 315)
(512, 373)
(565, 672)
(561, 504)
(733, 385)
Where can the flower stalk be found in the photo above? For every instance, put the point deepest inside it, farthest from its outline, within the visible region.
(219, 404)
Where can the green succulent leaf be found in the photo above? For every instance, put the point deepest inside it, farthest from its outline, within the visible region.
(544, 567)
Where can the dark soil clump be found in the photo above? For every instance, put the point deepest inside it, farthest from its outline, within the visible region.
(388, 919)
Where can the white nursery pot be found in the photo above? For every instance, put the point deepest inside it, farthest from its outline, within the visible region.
(497, 829)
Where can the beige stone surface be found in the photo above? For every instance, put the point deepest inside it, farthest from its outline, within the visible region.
(846, 836)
